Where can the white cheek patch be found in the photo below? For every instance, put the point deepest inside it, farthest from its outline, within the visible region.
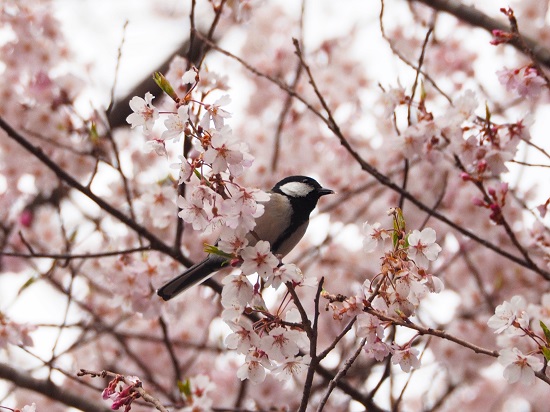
(296, 189)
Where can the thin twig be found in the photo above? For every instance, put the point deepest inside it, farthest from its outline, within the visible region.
(383, 179)
(170, 349)
(477, 18)
(72, 256)
(338, 338)
(117, 69)
(49, 389)
(155, 242)
(341, 373)
(146, 396)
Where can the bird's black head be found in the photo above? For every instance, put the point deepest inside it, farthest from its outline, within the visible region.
(302, 191)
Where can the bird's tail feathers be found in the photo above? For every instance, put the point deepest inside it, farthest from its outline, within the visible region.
(194, 275)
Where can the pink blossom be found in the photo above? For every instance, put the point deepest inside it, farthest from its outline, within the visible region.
(422, 247)
(280, 343)
(201, 388)
(29, 408)
(254, 367)
(226, 155)
(232, 241)
(156, 145)
(370, 327)
(185, 170)
(14, 333)
(373, 234)
(525, 81)
(405, 357)
(244, 337)
(237, 291)
(377, 350)
(242, 209)
(519, 367)
(292, 367)
(510, 316)
(144, 114)
(285, 273)
(176, 124)
(193, 212)
(259, 259)
(215, 113)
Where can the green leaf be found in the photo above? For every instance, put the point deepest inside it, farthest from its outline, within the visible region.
(94, 134)
(165, 86)
(212, 249)
(185, 387)
(546, 331)
(399, 226)
(546, 353)
(28, 283)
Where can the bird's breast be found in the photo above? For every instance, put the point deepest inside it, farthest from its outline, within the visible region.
(277, 226)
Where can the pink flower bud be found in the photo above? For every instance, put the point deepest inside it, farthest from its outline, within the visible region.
(465, 176)
(478, 201)
(26, 218)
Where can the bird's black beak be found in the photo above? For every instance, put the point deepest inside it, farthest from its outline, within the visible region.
(322, 191)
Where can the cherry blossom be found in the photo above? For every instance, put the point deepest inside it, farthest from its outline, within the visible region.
(377, 350)
(280, 344)
(14, 333)
(156, 145)
(243, 337)
(199, 397)
(237, 290)
(292, 368)
(29, 408)
(176, 124)
(406, 358)
(285, 273)
(224, 154)
(373, 234)
(215, 113)
(242, 209)
(519, 367)
(254, 368)
(526, 81)
(370, 327)
(185, 170)
(259, 259)
(145, 113)
(422, 247)
(510, 316)
(192, 211)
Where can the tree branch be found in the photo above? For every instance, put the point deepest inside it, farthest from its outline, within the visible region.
(475, 17)
(155, 242)
(49, 389)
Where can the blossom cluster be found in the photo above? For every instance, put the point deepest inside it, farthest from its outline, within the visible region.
(196, 392)
(213, 159)
(480, 146)
(397, 290)
(273, 341)
(525, 337)
(122, 391)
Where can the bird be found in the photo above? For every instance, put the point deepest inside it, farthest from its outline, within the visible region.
(283, 224)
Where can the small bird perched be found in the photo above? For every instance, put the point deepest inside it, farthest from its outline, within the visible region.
(283, 224)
